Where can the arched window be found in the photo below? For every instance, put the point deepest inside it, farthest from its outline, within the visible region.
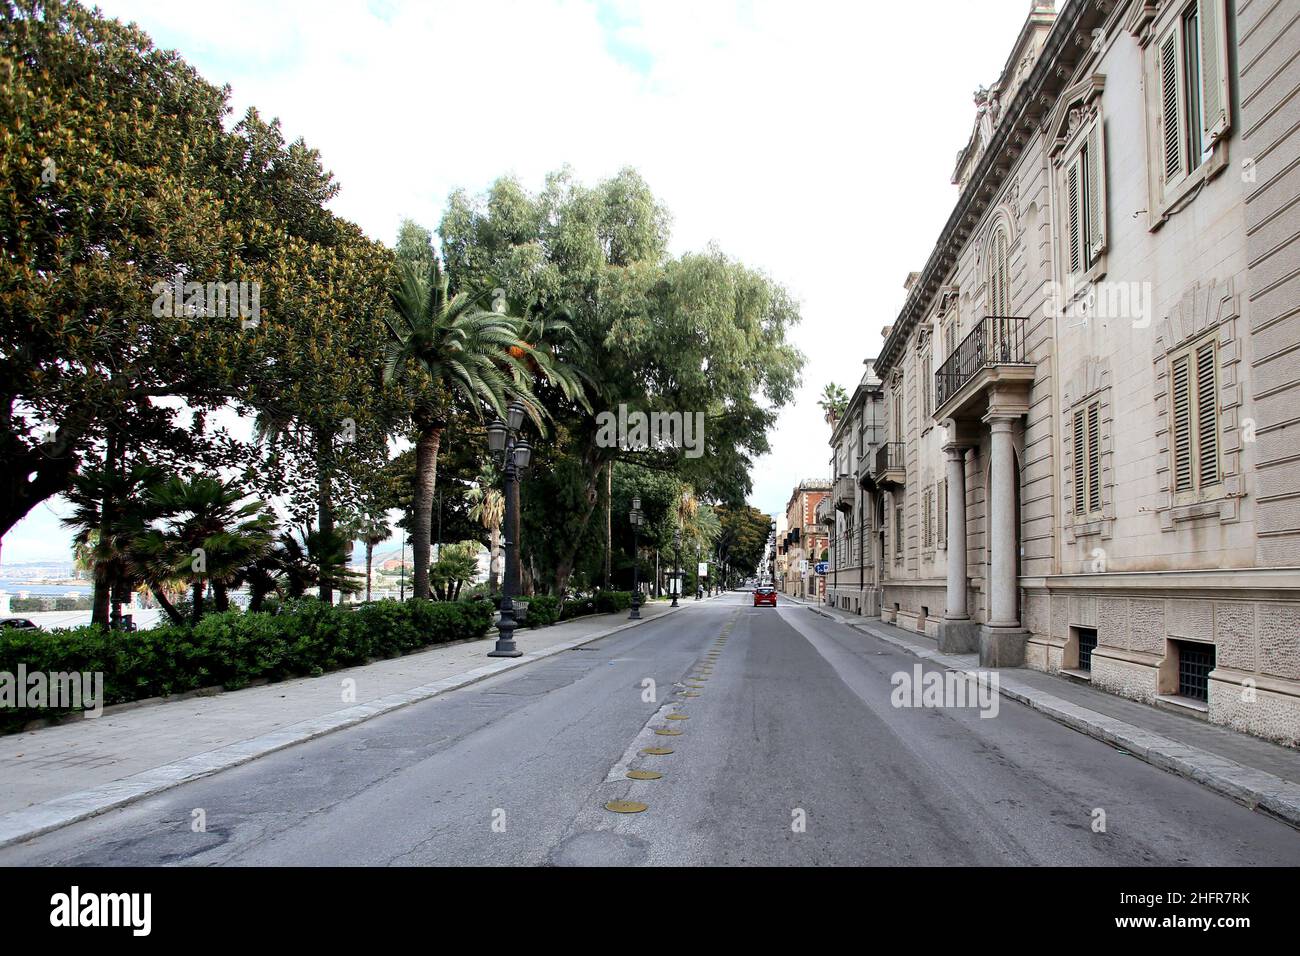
(999, 298)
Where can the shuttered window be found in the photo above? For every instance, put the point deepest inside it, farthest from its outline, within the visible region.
(1194, 108)
(925, 518)
(1084, 192)
(999, 296)
(898, 531)
(1194, 422)
(1086, 435)
(927, 388)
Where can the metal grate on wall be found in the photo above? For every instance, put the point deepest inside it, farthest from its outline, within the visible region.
(1195, 661)
(1087, 644)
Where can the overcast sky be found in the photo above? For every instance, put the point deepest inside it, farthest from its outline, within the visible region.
(813, 140)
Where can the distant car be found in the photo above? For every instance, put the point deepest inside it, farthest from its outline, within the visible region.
(18, 624)
(764, 596)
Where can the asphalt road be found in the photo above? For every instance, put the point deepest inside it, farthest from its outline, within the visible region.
(791, 753)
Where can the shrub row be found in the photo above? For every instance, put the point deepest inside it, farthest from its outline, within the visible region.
(234, 648)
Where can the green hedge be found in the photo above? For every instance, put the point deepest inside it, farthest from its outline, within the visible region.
(235, 648)
(543, 611)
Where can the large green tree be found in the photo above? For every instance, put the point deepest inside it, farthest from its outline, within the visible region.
(700, 333)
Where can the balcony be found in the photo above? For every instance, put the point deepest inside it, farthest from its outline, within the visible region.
(989, 368)
(889, 470)
(825, 513)
(844, 493)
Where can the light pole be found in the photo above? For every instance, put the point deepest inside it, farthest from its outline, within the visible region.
(636, 518)
(699, 585)
(677, 545)
(516, 453)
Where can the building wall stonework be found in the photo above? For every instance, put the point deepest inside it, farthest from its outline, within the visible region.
(1111, 534)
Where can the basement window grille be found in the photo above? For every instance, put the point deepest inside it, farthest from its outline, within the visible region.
(1087, 644)
(1195, 661)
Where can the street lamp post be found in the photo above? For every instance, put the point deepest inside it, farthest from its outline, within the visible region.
(699, 585)
(504, 440)
(636, 518)
(677, 545)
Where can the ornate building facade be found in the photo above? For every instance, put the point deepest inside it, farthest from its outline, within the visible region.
(1090, 459)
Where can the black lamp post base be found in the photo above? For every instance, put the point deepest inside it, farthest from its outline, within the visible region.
(505, 652)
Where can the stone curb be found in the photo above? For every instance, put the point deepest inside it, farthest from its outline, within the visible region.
(20, 825)
(1257, 789)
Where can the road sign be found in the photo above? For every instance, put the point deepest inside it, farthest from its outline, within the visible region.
(822, 566)
(703, 569)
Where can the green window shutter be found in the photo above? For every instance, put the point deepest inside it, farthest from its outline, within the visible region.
(1094, 458)
(1095, 191)
(1171, 133)
(1215, 99)
(1080, 457)
(1181, 424)
(1207, 416)
(1074, 217)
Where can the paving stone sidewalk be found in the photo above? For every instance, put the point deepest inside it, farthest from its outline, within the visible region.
(56, 775)
(1260, 774)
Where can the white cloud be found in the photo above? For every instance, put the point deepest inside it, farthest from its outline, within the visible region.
(813, 140)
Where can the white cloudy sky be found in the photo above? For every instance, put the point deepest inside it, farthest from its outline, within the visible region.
(814, 140)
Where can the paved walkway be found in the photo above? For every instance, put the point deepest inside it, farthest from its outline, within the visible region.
(55, 775)
(1246, 768)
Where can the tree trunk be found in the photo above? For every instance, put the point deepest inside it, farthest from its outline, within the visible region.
(569, 555)
(494, 559)
(160, 596)
(221, 598)
(196, 611)
(370, 557)
(609, 521)
(426, 479)
(325, 523)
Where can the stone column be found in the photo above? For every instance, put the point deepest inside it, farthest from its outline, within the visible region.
(957, 633)
(1002, 642)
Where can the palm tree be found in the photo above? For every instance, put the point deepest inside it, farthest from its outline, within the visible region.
(207, 535)
(487, 506)
(372, 530)
(452, 349)
(103, 542)
(833, 402)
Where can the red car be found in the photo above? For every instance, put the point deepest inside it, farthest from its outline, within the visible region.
(764, 595)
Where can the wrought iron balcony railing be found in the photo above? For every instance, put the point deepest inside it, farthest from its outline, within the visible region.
(889, 457)
(995, 340)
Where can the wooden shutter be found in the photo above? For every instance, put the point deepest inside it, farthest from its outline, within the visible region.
(1095, 191)
(1207, 417)
(1215, 99)
(1094, 458)
(1171, 106)
(1080, 459)
(1181, 425)
(1073, 215)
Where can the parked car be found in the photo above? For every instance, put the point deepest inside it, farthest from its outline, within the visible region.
(18, 623)
(764, 595)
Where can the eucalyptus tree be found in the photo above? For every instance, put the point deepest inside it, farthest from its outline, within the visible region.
(699, 334)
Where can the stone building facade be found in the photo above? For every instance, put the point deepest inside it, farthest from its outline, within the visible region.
(804, 540)
(1092, 454)
(850, 519)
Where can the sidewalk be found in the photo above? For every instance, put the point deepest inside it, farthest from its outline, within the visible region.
(1262, 775)
(57, 775)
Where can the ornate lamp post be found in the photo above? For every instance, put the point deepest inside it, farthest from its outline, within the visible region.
(515, 452)
(677, 584)
(637, 519)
